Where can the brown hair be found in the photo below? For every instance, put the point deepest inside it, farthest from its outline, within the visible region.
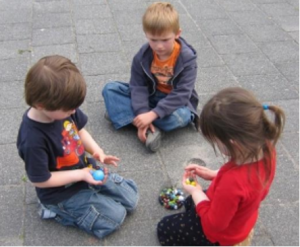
(235, 114)
(161, 17)
(55, 83)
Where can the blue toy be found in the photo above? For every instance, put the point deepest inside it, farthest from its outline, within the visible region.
(98, 175)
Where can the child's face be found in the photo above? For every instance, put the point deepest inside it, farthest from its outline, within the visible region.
(162, 44)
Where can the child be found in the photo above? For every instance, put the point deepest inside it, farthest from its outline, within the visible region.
(234, 122)
(52, 142)
(161, 93)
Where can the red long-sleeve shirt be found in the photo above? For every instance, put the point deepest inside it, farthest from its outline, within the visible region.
(235, 196)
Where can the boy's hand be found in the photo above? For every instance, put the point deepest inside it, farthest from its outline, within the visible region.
(143, 131)
(88, 177)
(190, 189)
(202, 171)
(106, 159)
(143, 120)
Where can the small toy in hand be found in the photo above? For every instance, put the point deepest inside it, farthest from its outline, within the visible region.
(171, 198)
(98, 175)
(190, 181)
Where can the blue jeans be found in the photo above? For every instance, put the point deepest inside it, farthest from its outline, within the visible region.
(99, 210)
(117, 100)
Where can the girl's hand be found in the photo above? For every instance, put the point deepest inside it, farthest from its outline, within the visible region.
(106, 159)
(190, 189)
(88, 177)
(202, 171)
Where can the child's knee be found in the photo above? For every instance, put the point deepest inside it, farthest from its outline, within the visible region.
(109, 87)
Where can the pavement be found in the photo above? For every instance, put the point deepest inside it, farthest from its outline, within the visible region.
(249, 43)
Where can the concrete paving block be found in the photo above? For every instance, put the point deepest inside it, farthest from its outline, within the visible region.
(17, 31)
(219, 27)
(129, 32)
(51, 7)
(96, 84)
(49, 232)
(119, 6)
(66, 50)
(95, 26)
(255, 17)
(103, 63)
(234, 43)
(10, 125)
(129, 16)
(88, 2)
(51, 20)
(249, 64)
(91, 12)
(281, 222)
(295, 36)
(212, 79)
(290, 70)
(279, 9)
(53, 36)
(288, 23)
(269, 87)
(31, 196)
(207, 57)
(14, 69)
(131, 48)
(294, 3)
(280, 52)
(12, 94)
(141, 233)
(14, 49)
(236, 5)
(16, 15)
(11, 224)
(98, 43)
(290, 141)
(266, 33)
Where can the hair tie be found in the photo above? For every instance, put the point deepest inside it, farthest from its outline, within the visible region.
(265, 107)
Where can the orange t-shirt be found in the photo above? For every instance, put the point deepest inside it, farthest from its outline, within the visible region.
(163, 71)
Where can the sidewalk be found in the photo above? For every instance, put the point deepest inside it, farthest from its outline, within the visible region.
(248, 43)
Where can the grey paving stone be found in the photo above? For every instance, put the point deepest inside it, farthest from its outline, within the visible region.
(279, 9)
(269, 87)
(295, 36)
(207, 56)
(129, 16)
(219, 27)
(236, 5)
(94, 26)
(281, 222)
(213, 79)
(234, 43)
(131, 32)
(249, 64)
(15, 15)
(117, 6)
(51, 20)
(280, 52)
(14, 69)
(11, 224)
(288, 23)
(91, 12)
(96, 84)
(11, 164)
(10, 126)
(290, 70)
(99, 43)
(254, 17)
(266, 33)
(103, 63)
(88, 2)
(17, 31)
(12, 94)
(48, 232)
(66, 50)
(132, 47)
(53, 36)
(14, 49)
(40, 7)
(290, 141)
(294, 3)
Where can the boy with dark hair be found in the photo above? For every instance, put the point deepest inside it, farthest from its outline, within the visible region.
(52, 142)
(161, 93)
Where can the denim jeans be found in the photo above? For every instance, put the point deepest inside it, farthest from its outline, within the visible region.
(117, 100)
(99, 210)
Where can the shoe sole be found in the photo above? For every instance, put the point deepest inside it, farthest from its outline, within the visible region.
(153, 141)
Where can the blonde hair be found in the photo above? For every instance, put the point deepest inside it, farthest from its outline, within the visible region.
(161, 17)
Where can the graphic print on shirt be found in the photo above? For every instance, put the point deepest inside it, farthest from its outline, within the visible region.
(163, 74)
(71, 144)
